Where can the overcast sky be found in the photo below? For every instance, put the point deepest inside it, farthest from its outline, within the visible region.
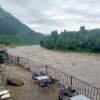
(47, 15)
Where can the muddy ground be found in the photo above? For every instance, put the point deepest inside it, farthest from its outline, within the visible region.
(30, 90)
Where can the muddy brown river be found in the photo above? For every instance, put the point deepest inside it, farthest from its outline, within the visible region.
(81, 65)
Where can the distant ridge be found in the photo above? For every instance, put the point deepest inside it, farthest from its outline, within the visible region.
(13, 31)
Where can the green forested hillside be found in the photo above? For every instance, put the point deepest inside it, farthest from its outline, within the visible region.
(12, 31)
(83, 40)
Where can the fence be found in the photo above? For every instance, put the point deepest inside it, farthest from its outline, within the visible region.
(27, 63)
(65, 79)
(70, 81)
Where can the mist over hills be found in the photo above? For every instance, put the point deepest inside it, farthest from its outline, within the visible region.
(13, 31)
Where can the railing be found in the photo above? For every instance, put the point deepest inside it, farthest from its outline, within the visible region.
(70, 81)
(27, 63)
(64, 79)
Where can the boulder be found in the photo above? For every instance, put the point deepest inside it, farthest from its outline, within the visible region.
(14, 81)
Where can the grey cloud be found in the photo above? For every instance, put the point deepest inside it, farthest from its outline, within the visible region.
(64, 13)
(87, 14)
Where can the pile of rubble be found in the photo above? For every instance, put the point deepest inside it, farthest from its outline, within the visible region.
(4, 94)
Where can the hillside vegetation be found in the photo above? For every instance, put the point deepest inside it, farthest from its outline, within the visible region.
(82, 40)
(12, 31)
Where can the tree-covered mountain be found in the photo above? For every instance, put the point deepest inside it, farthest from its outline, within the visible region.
(13, 31)
(82, 40)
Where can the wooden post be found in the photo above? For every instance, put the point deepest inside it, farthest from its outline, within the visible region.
(71, 81)
(46, 69)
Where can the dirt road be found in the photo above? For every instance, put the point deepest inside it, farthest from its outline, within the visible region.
(84, 66)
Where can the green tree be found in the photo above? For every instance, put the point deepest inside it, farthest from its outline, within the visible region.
(74, 40)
